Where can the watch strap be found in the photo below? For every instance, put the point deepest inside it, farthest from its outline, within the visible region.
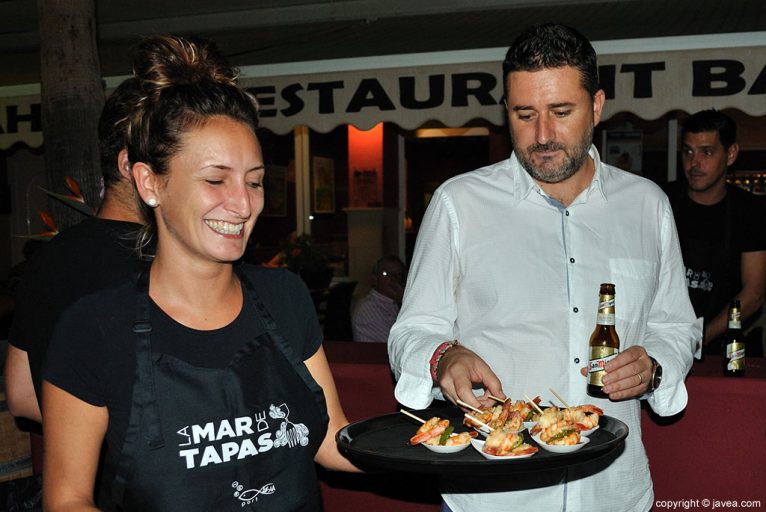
(656, 379)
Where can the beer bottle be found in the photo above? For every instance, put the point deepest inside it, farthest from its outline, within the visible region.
(733, 344)
(604, 342)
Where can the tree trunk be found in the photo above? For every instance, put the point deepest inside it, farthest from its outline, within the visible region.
(72, 97)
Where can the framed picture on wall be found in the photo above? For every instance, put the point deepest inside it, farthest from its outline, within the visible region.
(323, 184)
(365, 188)
(275, 190)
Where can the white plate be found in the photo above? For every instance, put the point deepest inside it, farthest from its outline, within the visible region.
(588, 432)
(529, 424)
(478, 445)
(445, 449)
(561, 448)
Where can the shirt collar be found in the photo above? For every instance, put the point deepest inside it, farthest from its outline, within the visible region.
(600, 177)
(523, 184)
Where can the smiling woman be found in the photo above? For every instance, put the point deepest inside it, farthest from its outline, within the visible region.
(200, 364)
(209, 199)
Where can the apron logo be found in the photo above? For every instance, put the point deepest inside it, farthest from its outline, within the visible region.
(232, 439)
(250, 495)
(298, 433)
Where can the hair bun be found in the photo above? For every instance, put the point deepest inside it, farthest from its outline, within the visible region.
(167, 61)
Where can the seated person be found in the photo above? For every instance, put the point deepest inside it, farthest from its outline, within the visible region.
(377, 312)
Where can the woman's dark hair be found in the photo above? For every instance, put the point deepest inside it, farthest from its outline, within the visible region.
(183, 83)
(551, 45)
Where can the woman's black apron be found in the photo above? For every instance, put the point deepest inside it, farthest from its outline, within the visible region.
(239, 438)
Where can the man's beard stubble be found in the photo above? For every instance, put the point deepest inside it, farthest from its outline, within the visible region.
(706, 186)
(574, 160)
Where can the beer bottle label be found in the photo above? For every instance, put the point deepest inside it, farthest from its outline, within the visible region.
(735, 319)
(599, 356)
(605, 314)
(735, 353)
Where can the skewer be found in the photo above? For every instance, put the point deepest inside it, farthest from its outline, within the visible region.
(478, 422)
(474, 409)
(533, 403)
(421, 420)
(559, 397)
(408, 413)
(497, 398)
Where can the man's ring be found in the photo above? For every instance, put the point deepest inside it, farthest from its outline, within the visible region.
(640, 378)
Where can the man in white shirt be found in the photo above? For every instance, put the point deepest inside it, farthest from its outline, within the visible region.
(509, 260)
(377, 311)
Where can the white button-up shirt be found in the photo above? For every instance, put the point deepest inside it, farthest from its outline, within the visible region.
(514, 275)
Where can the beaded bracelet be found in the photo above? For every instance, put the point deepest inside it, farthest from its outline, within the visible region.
(438, 354)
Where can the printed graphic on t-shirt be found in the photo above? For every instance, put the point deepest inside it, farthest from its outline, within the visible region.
(233, 439)
(248, 496)
(698, 280)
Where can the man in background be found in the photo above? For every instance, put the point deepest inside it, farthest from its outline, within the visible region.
(377, 312)
(87, 257)
(722, 228)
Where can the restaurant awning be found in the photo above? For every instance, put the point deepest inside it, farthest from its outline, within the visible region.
(646, 84)
(455, 88)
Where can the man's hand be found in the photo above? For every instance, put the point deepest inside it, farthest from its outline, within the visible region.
(622, 374)
(629, 374)
(459, 369)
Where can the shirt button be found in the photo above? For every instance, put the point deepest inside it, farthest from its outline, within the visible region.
(566, 213)
(576, 360)
(575, 310)
(571, 260)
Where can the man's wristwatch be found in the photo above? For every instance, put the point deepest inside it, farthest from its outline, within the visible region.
(656, 375)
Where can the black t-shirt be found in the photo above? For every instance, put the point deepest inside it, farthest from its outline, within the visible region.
(93, 357)
(87, 257)
(713, 238)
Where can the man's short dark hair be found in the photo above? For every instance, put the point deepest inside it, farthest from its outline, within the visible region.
(712, 121)
(113, 128)
(390, 258)
(552, 45)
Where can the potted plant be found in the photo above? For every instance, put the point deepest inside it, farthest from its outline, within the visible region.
(74, 200)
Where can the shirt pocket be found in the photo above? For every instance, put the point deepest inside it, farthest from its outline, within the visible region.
(635, 281)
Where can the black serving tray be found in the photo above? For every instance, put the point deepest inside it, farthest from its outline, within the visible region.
(382, 443)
